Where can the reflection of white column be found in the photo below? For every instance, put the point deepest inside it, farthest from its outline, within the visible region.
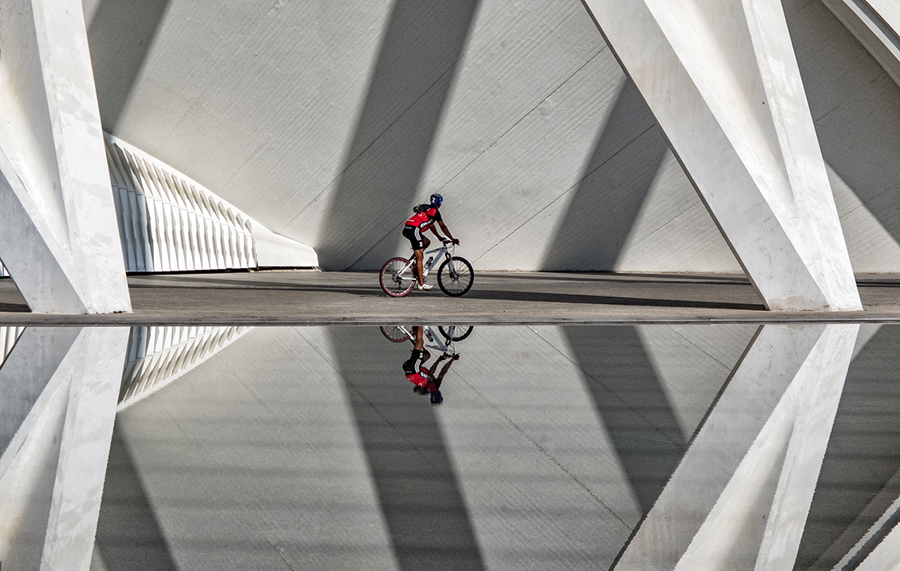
(876, 24)
(58, 233)
(885, 556)
(722, 80)
(740, 497)
(68, 384)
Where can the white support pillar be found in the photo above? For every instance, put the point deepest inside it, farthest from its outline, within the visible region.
(876, 24)
(722, 80)
(59, 238)
(52, 471)
(740, 497)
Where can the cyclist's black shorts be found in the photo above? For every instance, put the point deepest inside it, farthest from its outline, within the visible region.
(415, 237)
(414, 365)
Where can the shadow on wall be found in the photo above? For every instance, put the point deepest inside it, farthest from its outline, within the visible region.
(128, 533)
(616, 179)
(862, 457)
(856, 109)
(632, 404)
(120, 36)
(409, 462)
(410, 85)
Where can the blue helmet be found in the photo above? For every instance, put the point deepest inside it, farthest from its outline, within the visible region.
(436, 199)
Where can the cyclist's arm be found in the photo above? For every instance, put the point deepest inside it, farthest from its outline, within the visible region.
(446, 231)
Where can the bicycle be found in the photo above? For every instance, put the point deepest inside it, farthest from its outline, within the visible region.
(450, 333)
(455, 274)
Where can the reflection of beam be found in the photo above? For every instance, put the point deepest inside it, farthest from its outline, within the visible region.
(75, 378)
(885, 556)
(741, 494)
(876, 24)
(881, 529)
(722, 80)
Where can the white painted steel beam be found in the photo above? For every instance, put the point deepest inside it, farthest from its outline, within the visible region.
(876, 24)
(722, 80)
(63, 386)
(58, 234)
(740, 496)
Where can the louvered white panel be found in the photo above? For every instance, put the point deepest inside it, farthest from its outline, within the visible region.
(169, 223)
(159, 355)
(8, 338)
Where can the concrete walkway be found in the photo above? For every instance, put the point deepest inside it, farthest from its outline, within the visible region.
(311, 297)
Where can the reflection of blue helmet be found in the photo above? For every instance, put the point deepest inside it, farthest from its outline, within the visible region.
(436, 199)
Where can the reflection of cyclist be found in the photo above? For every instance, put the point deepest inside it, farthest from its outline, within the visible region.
(421, 376)
(416, 226)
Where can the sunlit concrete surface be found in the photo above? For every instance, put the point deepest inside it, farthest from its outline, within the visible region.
(556, 447)
(272, 297)
(314, 118)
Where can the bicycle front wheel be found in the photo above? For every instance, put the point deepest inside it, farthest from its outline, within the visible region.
(456, 276)
(455, 332)
(397, 277)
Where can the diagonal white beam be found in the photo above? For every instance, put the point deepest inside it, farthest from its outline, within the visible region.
(69, 383)
(84, 450)
(722, 80)
(876, 24)
(58, 233)
(740, 496)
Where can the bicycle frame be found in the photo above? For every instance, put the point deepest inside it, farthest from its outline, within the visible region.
(446, 249)
(433, 337)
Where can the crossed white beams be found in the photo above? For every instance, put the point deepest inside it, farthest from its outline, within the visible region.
(738, 499)
(60, 387)
(876, 24)
(58, 234)
(722, 80)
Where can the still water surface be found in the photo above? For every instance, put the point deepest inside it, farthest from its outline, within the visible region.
(626, 447)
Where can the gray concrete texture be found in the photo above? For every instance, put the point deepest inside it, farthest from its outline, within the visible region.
(311, 297)
(328, 120)
(304, 448)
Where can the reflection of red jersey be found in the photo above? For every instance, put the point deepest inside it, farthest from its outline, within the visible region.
(422, 379)
(423, 220)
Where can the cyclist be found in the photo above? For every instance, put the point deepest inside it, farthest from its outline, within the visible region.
(421, 376)
(416, 226)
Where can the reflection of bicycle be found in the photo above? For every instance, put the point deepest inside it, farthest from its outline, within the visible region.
(442, 342)
(455, 275)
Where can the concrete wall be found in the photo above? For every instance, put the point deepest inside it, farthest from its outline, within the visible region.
(327, 121)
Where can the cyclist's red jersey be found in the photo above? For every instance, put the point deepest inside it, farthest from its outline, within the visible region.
(423, 220)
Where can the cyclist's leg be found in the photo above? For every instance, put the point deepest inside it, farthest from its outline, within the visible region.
(420, 253)
(418, 243)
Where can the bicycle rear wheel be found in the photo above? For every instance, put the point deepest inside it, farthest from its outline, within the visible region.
(455, 332)
(397, 277)
(456, 276)
(396, 333)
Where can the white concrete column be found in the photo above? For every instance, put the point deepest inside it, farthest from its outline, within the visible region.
(52, 471)
(59, 238)
(740, 497)
(876, 24)
(722, 80)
